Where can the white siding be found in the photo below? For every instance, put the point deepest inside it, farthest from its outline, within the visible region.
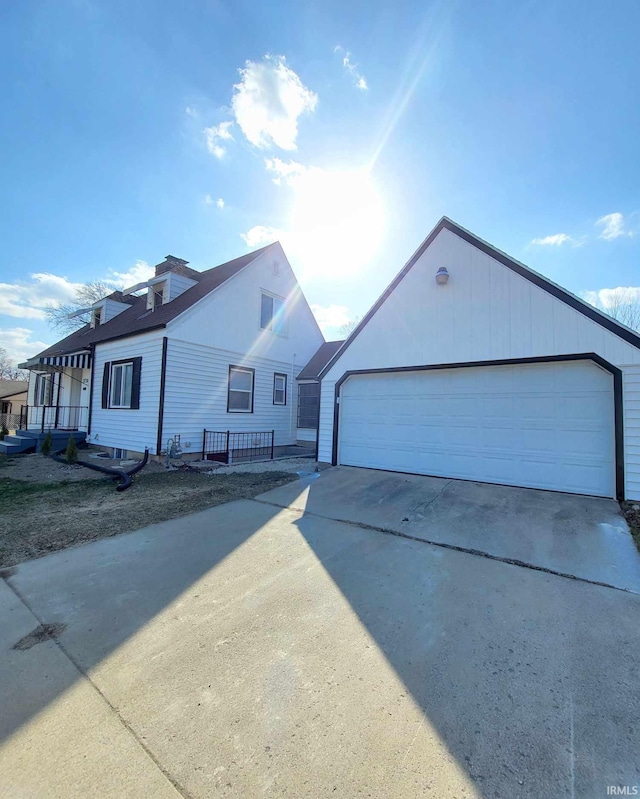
(631, 400)
(176, 285)
(485, 312)
(229, 319)
(129, 429)
(111, 308)
(196, 395)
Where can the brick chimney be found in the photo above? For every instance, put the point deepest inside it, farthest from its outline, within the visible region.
(173, 264)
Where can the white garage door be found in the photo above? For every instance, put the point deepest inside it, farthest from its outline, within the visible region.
(536, 425)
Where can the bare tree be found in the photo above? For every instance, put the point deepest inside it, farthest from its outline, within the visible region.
(622, 304)
(347, 329)
(9, 369)
(86, 295)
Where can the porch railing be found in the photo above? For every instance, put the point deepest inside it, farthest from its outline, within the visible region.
(56, 417)
(225, 446)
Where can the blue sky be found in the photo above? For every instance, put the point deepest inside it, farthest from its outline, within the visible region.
(344, 129)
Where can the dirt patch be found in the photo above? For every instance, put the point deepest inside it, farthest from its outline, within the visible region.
(631, 512)
(39, 469)
(44, 632)
(37, 518)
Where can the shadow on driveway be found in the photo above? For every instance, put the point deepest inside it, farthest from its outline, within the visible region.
(264, 651)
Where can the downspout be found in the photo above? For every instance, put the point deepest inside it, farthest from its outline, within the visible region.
(93, 371)
(291, 394)
(163, 378)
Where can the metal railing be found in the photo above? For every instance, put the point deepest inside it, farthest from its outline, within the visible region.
(56, 417)
(226, 447)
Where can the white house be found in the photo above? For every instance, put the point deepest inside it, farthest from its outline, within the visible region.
(473, 366)
(186, 351)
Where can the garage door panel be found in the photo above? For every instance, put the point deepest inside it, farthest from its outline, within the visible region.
(544, 425)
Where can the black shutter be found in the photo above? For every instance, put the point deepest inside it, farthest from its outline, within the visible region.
(105, 385)
(135, 383)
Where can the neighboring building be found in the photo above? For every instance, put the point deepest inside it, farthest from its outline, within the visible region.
(309, 392)
(218, 350)
(473, 366)
(13, 398)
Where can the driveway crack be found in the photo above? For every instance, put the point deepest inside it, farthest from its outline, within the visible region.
(454, 547)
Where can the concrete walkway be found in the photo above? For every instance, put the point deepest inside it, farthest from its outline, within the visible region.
(255, 651)
(585, 537)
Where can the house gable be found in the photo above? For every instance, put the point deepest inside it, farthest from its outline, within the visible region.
(229, 319)
(492, 308)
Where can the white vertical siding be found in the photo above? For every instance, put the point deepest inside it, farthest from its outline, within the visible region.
(123, 428)
(485, 312)
(196, 395)
(631, 404)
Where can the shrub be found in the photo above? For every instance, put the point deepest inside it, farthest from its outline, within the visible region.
(47, 444)
(71, 452)
(3, 432)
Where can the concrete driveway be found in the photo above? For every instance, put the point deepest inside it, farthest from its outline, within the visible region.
(252, 650)
(585, 537)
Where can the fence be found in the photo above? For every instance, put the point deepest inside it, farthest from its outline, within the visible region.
(227, 447)
(56, 417)
(12, 421)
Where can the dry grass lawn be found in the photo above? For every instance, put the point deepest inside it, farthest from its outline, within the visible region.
(42, 516)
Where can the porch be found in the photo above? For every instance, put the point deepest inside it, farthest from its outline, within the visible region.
(58, 398)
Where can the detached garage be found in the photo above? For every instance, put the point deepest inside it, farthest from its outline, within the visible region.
(493, 374)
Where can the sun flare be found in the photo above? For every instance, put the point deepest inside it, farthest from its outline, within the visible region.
(337, 220)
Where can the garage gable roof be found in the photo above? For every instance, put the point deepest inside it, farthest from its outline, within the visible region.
(536, 278)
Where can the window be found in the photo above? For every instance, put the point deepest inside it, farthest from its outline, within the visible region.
(240, 390)
(158, 296)
(279, 389)
(121, 385)
(43, 394)
(308, 404)
(97, 317)
(272, 314)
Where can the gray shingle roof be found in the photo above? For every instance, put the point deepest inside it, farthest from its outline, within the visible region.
(319, 360)
(137, 319)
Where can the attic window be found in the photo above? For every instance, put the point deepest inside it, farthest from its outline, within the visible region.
(158, 295)
(97, 317)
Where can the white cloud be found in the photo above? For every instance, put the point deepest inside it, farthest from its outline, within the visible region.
(610, 298)
(220, 203)
(261, 235)
(208, 199)
(283, 170)
(18, 343)
(214, 135)
(359, 80)
(555, 241)
(330, 316)
(622, 302)
(190, 111)
(613, 226)
(28, 299)
(268, 102)
(140, 272)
